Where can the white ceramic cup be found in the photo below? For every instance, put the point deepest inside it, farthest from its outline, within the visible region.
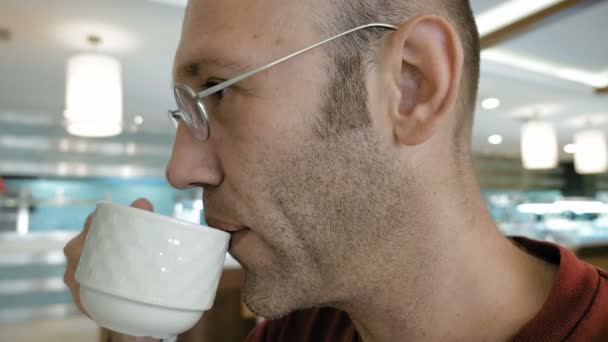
(144, 274)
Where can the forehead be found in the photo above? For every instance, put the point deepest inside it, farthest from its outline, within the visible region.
(242, 32)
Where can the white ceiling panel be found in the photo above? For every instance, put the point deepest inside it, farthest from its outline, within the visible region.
(577, 40)
(484, 5)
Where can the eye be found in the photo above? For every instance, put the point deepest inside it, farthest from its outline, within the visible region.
(219, 95)
(175, 116)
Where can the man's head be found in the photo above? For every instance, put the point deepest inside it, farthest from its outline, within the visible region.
(324, 158)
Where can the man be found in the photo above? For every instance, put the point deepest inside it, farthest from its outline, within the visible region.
(344, 175)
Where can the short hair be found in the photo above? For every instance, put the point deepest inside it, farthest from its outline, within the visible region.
(349, 57)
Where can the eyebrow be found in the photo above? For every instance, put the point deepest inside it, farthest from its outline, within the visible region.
(194, 67)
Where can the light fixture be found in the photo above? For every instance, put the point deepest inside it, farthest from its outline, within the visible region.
(539, 145)
(582, 206)
(81, 170)
(576, 206)
(130, 149)
(490, 103)
(538, 208)
(62, 169)
(82, 147)
(177, 3)
(127, 172)
(591, 154)
(570, 148)
(64, 145)
(93, 95)
(138, 120)
(495, 139)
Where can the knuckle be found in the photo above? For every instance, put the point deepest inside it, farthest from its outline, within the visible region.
(67, 248)
(87, 223)
(68, 276)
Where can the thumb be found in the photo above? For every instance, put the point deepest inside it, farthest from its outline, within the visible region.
(143, 204)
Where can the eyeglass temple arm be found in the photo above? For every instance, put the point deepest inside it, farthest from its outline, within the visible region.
(241, 77)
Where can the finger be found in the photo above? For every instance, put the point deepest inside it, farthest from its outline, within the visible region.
(68, 279)
(74, 288)
(78, 302)
(73, 249)
(72, 252)
(87, 225)
(143, 203)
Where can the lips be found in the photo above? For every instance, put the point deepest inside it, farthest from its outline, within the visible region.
(237, 232)
(223, 225)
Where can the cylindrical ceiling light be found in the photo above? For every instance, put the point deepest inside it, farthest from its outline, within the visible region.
(539, 149)
(93, 95)
(591, 154)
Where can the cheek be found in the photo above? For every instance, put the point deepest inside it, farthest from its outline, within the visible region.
(274, 110)
(253, 122)
(262, 130)
(259, 135)
(254, 251)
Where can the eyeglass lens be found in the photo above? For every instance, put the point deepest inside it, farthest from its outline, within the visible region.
(193, 112)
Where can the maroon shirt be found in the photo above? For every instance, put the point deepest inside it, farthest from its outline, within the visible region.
(576, 310)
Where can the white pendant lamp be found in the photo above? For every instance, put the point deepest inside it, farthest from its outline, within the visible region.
(539, 149)
(93, 95)
(591, 154)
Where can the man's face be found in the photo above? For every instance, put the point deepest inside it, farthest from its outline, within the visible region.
(307, 202)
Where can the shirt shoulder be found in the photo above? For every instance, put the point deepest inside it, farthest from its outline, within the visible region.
(594, 325)
(318, 325)
(577, 307)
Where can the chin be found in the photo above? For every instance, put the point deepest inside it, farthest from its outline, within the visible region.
(266, 303)
(263, 310)
(274, 298)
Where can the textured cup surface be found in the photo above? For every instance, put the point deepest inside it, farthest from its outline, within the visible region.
(152, 259)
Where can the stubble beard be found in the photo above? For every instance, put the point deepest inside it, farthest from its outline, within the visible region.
(336, 200)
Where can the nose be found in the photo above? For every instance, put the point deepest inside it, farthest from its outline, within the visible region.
(193, 163)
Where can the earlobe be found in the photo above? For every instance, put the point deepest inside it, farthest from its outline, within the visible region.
(418, 129)
(427, 60)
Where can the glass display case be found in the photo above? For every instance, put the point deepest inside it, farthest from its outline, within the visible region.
(547, 215)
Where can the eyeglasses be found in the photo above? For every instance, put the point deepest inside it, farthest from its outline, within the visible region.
(192, 110)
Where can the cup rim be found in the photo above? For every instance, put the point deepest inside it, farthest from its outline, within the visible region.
(183, 224)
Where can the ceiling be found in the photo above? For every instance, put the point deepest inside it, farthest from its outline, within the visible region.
(572, 42)
(143, 34)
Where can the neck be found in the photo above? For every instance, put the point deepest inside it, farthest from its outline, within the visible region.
(460, 281)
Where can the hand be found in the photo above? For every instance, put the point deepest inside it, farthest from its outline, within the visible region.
(73, 250)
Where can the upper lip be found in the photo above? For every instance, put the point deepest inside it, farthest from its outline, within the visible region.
(224, 225)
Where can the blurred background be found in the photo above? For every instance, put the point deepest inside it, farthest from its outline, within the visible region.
(539, 138)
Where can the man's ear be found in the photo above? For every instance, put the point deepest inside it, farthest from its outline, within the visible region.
(424, 69)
